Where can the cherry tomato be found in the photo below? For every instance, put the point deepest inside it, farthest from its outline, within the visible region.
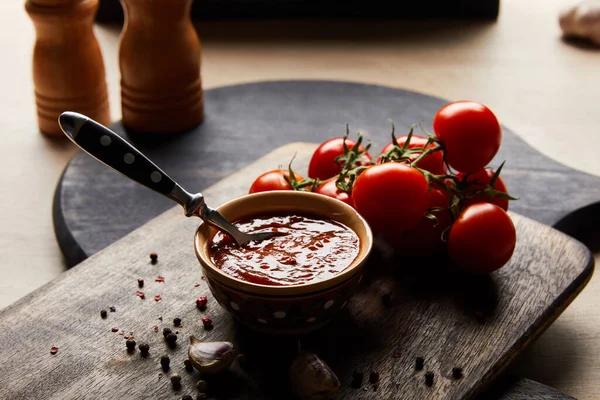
(478, 181)
(471, 134)
(392, 197)
(427, 236)
(272, 180)
(328, 188)
(482, 238)
(433, 162)
(322, 165)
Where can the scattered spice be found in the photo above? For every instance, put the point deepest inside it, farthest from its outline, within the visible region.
(429, 378)
(141, 295)
(374, 377)
(130, 343)
(112, 309)
(166, 331)
(357, 379)
(103, 313)
(176, 381)
(171, 340)
(140, 283)
(479, 317)
(201, 302)
(201, 385)
(53, 350)
(160, 279)
(201, 396)
(187, 397)
(177, 321)
(155, 328)
(122, 333)
(115, 330)
(126, 337)
(386, 299)
(153, 257)
(207, 322)
(203, 278)
(157, 297)
(164, 362)
(197, 284)
(160, 318)
(457, 372)
(144, 349)
(419, 363)
(241, 358)
(188, 366)
(396, 354)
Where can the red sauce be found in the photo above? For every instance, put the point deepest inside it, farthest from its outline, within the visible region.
(311, 249)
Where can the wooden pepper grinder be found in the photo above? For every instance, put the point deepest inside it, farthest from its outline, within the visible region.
(159, 57)
(68, 70)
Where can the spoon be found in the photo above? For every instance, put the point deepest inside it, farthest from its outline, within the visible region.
(112, 150)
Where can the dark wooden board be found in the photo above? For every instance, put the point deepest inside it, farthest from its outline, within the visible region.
(431, 315)
(512, 388)
(94, 206)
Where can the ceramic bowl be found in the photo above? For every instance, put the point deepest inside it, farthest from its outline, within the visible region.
(285, 309)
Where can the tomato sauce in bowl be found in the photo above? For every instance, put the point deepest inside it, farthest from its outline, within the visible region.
(310, 249)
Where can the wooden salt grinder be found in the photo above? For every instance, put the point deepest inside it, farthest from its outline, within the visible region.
(68, 70)
(159, 57)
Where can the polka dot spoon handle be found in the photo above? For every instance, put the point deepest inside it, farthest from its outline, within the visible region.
(114, 151)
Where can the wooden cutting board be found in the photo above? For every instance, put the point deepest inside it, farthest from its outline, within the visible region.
(431, 314)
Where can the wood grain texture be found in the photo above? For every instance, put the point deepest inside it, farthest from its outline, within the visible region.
(430, 315)
(512, 388)
(94, 206)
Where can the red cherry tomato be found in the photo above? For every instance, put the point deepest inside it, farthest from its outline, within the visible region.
(272, 180)
(433, 162)
(482, 238)
(323, 165)
(478, 181)
(328, 188)
(471, 134)
(392, 197)
(427, 236)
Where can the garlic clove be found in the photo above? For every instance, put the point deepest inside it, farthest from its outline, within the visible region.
(210, 357)
(311, 378)
(582, 20)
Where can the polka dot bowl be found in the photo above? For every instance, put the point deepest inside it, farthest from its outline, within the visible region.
(289, 309)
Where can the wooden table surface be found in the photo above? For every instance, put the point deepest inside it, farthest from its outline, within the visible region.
(541, 87)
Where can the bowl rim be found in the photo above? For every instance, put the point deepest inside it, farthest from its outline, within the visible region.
(365, 239)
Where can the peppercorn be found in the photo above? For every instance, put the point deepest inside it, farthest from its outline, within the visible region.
(201, 385)
(144, 349)
(153, 257)
(171, 340)
(187, 397)
(374, 377)
(207, 322)
(201, 396)
(201, 302)
(177, 322)
(176, 381)
(419, 363)
(457, 372)
(188, 366)
(166, 331)
(103, 314)
(357, 379)
(140, 283)
(164, 362)
(112, 309)
(429, 378)
(114, 329)
(130, 343)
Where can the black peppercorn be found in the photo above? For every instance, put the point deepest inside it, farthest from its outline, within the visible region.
(164, 362)
(176, 381)
(140, 283)
(144, 349)
(103, 314)
(130, 343)
(457, 372)
(201, 396)
(187, 397)
(357, 379)
(188, 366)
(419, 363)
(177, 322)
(171, 340)
(429, 378)
(153, 257)
(166, 331)
(112, 309)
(374, 377)
(201, 385)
